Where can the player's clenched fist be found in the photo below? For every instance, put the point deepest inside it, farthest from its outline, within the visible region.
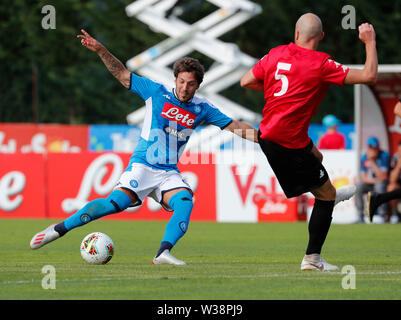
(89, 42)
(366, 32)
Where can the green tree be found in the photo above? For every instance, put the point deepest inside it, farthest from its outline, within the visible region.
(73, 84)
(275, 26)
(47, 76)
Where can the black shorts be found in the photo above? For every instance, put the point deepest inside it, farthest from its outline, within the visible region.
(297, 170)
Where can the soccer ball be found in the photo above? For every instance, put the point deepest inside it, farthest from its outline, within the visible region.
(97, 248)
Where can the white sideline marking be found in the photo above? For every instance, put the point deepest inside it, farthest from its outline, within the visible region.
(272, 275)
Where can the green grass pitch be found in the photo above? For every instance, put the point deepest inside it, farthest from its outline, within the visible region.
(224, 261)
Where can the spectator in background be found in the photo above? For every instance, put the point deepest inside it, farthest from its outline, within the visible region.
(374, 200)
(332, 139)
(373, 177)
(395, 182)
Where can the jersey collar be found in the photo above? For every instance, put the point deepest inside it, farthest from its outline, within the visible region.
(187, 102)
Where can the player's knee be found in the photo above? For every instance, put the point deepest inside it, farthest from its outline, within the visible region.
(332, 192)
(326, 192)
(119, 200)
(182, 201)
(329, 193)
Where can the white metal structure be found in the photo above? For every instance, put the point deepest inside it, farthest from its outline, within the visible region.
(202, 36)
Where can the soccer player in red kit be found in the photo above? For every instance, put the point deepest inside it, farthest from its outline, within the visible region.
(295, 78)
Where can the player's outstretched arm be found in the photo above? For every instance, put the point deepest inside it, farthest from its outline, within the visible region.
(369, 73)
(243, 130)
(249, 81)
(114, 65)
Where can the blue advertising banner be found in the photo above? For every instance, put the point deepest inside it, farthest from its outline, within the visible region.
(116, 138)
(124, 138)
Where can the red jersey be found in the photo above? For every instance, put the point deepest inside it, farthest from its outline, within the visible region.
(332, 140)
(295, 82)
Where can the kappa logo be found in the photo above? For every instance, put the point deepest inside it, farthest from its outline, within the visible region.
(166, 96)
(345, 68)
(321, 174)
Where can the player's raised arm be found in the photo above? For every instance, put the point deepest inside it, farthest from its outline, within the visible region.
(114, 65)
(243, 130)
(369, 73)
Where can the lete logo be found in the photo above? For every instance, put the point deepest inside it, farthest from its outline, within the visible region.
(181, 116)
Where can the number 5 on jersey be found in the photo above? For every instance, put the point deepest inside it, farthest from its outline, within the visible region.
(282, 77)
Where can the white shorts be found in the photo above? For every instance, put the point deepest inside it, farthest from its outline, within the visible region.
(146, 181)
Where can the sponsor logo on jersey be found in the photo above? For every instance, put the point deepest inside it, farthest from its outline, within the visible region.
(180, 135)
(181, 116)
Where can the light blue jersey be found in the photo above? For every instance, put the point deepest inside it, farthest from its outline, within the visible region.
(169, 123)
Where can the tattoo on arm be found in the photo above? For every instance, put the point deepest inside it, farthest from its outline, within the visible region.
(115, 67)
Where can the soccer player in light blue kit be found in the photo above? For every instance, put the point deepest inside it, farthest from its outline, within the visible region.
(171, 116)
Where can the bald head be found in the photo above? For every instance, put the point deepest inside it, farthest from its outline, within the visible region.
(308, 28)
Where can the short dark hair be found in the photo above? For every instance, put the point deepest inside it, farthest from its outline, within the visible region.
(188, 64)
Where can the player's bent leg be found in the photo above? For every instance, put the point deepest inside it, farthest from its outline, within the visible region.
(181, 203)
(371, 205)
(117, 201)
(326, 192)
(318, 227)
(374, 200)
